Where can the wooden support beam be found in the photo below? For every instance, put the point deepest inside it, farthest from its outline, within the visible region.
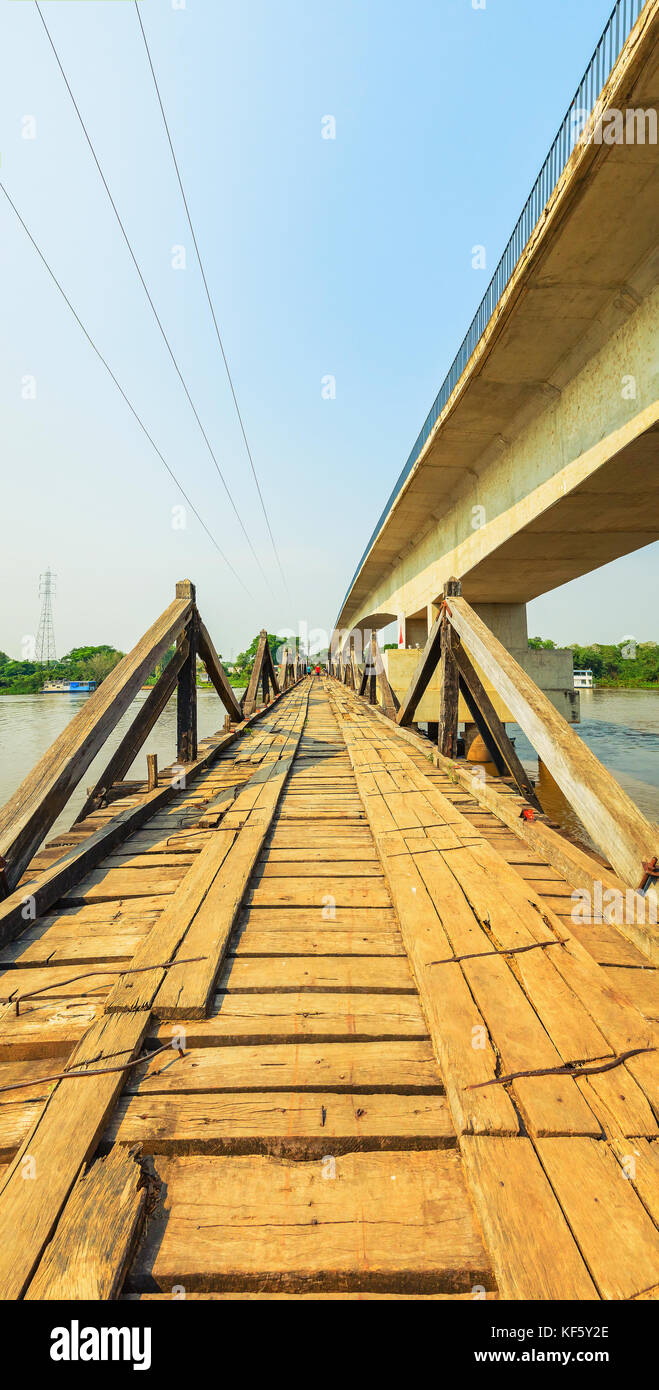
(447, 738)
(141, 727)
(186, 690)
(270, 672)
(249, 701)
(217, 672)
(390, 704)
(422, 676)
(37, 803)
(615, 824)
(489, 725)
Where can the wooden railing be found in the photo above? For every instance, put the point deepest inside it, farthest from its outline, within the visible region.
(31, 811)
(458, 642)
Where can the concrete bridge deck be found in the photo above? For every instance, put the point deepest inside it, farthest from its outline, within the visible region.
(362, 956)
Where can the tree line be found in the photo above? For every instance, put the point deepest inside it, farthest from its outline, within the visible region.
(629, 664)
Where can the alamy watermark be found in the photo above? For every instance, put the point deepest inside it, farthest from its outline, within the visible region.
(636, 125)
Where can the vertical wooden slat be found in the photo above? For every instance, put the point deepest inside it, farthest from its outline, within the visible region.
(449, 693)
(186, 693)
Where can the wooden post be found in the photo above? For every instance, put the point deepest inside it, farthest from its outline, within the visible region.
(152, 771)
(250, 696)
(448, 700)
(390, 703)
(489, 726)
(186, 694)
(368, 682)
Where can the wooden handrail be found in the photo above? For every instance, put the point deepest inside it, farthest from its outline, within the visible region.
(139, 730)
(36, 804)
(609, 815)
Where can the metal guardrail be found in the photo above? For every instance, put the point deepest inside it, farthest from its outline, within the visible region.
(600, 67)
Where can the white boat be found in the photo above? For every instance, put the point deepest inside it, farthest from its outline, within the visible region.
(583, 680)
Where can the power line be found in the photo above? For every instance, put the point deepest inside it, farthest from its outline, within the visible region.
(120, 388)
(146, 290)
(208, 296)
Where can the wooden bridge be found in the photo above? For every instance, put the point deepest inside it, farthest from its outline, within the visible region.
(307, 1013)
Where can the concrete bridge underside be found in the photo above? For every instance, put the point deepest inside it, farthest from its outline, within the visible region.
(543, 464)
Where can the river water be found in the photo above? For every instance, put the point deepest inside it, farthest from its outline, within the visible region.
(29, 723)
(621, 727)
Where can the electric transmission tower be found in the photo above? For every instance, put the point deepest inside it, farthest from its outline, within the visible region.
(45, 644)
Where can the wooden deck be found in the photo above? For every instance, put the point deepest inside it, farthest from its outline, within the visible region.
(346, 946)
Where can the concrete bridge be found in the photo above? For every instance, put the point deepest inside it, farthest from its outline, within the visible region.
(538, 460)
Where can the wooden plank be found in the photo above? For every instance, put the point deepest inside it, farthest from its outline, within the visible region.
(63, 1138)
(267, 1016)
(46, 1029)
(249, 699)
(217, 673)
(138, 991)
(531, 1246)
(424, 1235)
(447, 736)
(421, 880)
(295, 1124)
(360, 1062)
(23, 906)
(292, 892)
(641, 987)
(617, 1238)
(86, 853)
(41, 796)
(358, 974)
(323, 868)
(139, 730)
(390, 703)
(109, 884)
(95, 1236)
(186, 994)
(609, 815)
(186, 687)
(326, 941)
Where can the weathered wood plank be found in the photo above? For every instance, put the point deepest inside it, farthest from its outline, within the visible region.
(64, 1137)
(360, 1062)
(425, 1236)
(358, 974)
(532, 1248)
(613, 1230)
(299, 1124)
(95, 1236)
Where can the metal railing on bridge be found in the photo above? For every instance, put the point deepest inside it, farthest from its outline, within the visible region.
(621, 22)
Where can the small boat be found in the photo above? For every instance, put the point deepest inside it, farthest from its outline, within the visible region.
(67, 687)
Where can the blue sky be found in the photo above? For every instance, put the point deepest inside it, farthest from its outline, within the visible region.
(349, 257)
